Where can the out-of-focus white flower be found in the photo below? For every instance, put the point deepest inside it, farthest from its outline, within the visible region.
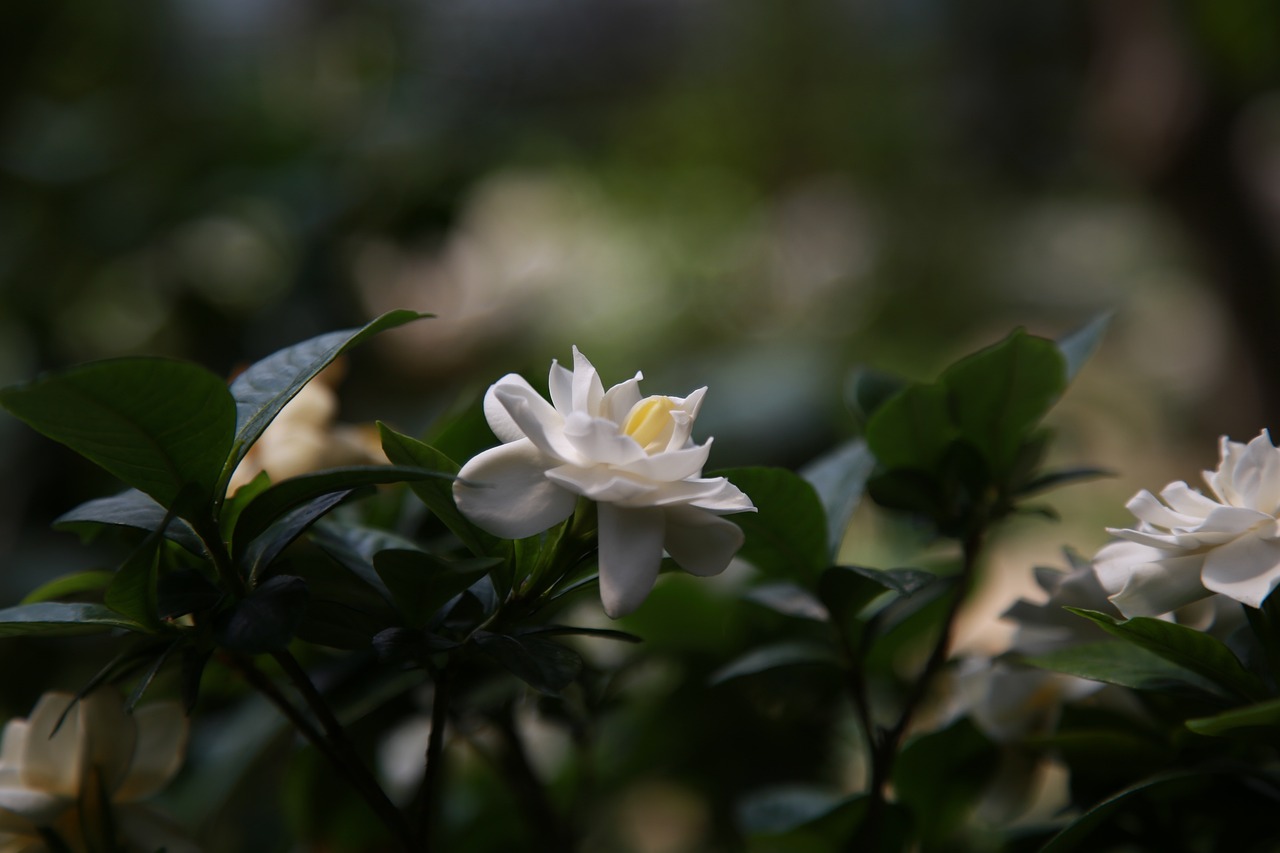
(62, 764)
(1188, 545)
(634, 456)
(304, 438)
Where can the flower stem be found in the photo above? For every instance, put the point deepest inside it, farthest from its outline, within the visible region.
(428, 796)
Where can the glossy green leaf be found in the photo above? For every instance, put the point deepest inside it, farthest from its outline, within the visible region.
(1240, 720)
(1076, 835)
(273, 503)
(1186, 647)
(436, 494)
(72, 584)
(997, 395)
(58, 617)
(912, 429)
(235, 503)
(354, 546)
(787, 535)
(847, 590)
(266, 620)
(789, 599)
(260, 552)
(867, 389)
(543, 664)
(421, 583)
(262, 390)
(130, 508)
(158, 425)
(1125, 664)
(783, 654)
(840, 479)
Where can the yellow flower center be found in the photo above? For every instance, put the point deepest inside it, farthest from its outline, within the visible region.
(650, 423)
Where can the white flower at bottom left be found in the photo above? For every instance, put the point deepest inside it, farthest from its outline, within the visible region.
(64, 763)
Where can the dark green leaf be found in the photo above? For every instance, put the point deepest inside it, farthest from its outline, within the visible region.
(57, 617)
(281, 498)
(787, 536)
(133, 590)
(847, 590)
(840, 478)
(158, 425)
(436, 494)
(184, 591)
(1240, 720)
(130, 508)
(782, 809)
(1077, 347)
(912, 429)
(263, 389)
(235, 503)
(867, 389)
(72, 584)
(266, 620)
(1186, 647)
(421, 583)
(1054, 479)
(260, 552)
(784, 654)
(788, 599)
(1078, 831)
(355, 546)
(544, 665)
(997, 395)
(939, 776)
(1125, 664)
(571, 630)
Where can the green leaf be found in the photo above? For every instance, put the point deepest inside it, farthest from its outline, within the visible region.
(775, 656)
(840, 478)
(912, 429)
(157, 424)
(354, 546)
(787, 536)
(72, 584)
(1186, 647)
(1078, 831)
(62, 618)
(421, 583)
(263, 389)
(281, 498)
(847, 590)
(133, 590)
(263, 549)
(997, 395)
(1125, 664)
(1065, 477)
(1077, 347)
(437, 495)
(867, 389)
(130, 508)
(236, 503)
(266, 620)
(789, 599)
(544, 665)
(785, 808)
(939, 776)
(1261, 715)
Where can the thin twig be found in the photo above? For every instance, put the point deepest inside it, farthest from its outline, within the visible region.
(426, 802)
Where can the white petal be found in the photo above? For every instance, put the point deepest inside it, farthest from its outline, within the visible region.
(603, 484)
(700, 542)
(1146, 507)
(505, 491)
(496, 414)
(109, 735)
(1183, 499)
(21, 807)
(13, 743)
(52, 761)
(670, 465)
(560, 384)
(1144, 581)
(1257, 477)
(1227, 522)
(630, 554)
(721, 497)
(537, 421)
(162, 741)
(599, 441)
(1222, 480)
(588, 392)
(619, 399)
(1247, 569)
(682, 435)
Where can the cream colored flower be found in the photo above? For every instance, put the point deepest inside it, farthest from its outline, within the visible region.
(634, 456)
(61, 765)
(304, 438)
(1188, 545)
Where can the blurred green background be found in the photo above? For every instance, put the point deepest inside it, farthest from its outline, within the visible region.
(754, 196)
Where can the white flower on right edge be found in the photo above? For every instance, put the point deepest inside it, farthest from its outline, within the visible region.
(1188, 545)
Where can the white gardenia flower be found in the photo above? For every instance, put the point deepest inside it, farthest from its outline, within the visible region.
(634, 456)
(1188, 545)
(68, 752)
